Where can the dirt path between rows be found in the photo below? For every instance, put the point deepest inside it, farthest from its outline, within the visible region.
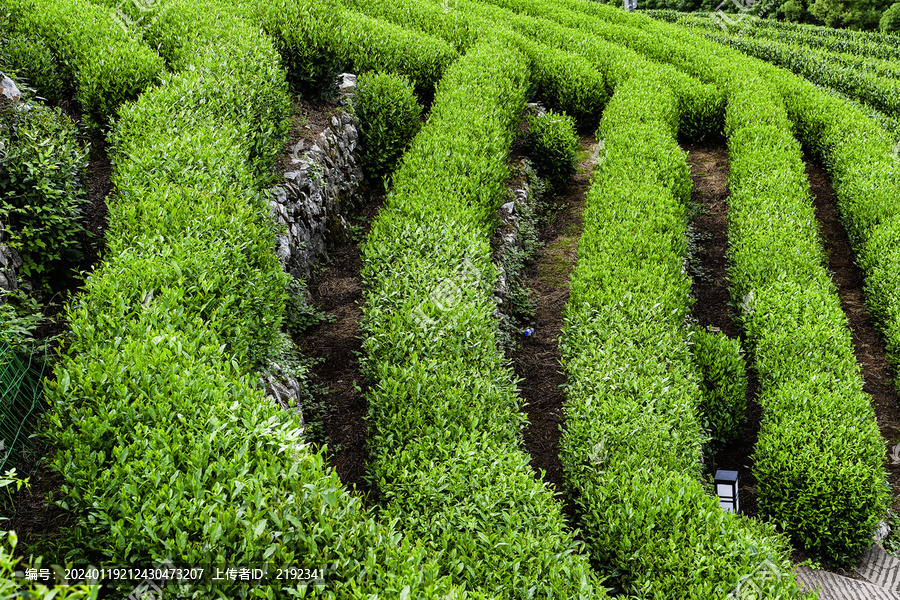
(537, 363)
(709, 272)
(335, 346)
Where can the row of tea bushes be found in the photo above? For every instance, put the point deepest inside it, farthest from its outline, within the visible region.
(857, 43)
(819, 457)
(864, 162)
(107, 64)
(445, 428)
(871, 82)
(862, 158)
(318, 39)
(729, 70)
(563, 81)
(167, 450)
(631, 450)
(700, 106)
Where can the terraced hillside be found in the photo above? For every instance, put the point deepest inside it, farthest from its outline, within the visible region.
(164, 450)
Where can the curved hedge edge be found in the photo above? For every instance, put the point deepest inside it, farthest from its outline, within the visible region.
(165, 444)
(109, 65)
(562, 80)
(631, 449)
(318, 39)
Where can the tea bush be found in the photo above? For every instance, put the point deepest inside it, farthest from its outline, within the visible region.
(848, 452)
(633, 437)
(43, 188)
(723, 383)
(890, 20)
(319, 39)
(857, 43)
(29, 58)
(388, 118)
(109, 65)
(562, 80)
(819, 456)
(368, 44)
(166, 448)
(553, 147)
(445, 425)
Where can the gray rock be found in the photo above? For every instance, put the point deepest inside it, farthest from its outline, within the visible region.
(9, 89)
(882, 531)
(316, 194)
(346, 81)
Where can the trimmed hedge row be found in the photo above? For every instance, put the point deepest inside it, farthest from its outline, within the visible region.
(388, 118)
(819, 458)
(865, 169)
(107, 64)
(874, 84)
(857, 43)
(840, 513)
(445, 427)
(861, 157)
(700, 106)
(564, 81)
(632, 445)
(318, 38)
(167, 449)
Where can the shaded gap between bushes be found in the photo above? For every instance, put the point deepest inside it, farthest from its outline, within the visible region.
(39, 523)
(708, 268)
(868, 345)
(337, 415)
(537, 363)
(337, 384)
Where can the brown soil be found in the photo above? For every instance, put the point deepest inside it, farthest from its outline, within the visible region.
(336, 290)
(38, 522)
(867, 343)
(335, 346)
(537, 363)
(709, 267)
(100, 186)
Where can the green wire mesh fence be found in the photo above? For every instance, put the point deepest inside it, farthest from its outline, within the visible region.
(20, 398)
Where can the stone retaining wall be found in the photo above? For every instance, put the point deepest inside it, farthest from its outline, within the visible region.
(313, 202)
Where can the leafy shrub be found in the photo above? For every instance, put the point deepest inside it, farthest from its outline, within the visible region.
(29, 58)
(562, 80)
(890, 20)
(723, 382)
(388, 119)
(109, 64)
(553, 147)
(318, 39)
(369, 44)
(819, 456)
(631, 447)
(42, 188)
(303, 33)
(166, 448)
